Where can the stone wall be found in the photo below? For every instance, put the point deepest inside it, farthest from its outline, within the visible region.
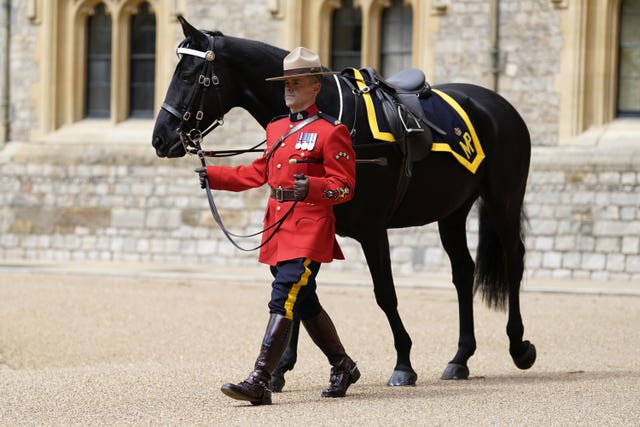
(25, 48)
(107, 197)
(529, 43)
(113, 204)
(529, 60)
(110, 204)
(23, 73)
(240, 18)
(584, 215)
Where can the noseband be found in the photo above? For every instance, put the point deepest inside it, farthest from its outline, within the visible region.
(192, 138)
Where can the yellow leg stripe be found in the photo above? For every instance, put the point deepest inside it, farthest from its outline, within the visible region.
(293, 293)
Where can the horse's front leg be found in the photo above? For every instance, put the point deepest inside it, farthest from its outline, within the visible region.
(376, 251)
(288, 360)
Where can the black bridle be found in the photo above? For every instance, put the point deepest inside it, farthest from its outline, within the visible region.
(191, 139)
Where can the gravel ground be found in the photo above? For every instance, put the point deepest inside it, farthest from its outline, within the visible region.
(114, 349)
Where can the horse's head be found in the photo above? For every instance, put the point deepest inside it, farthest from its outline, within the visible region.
(196, 100)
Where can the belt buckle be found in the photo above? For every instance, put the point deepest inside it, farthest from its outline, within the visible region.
(280, 194)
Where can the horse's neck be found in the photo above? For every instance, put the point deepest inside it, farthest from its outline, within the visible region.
(329, 99)
(340, 102)
(263, 100)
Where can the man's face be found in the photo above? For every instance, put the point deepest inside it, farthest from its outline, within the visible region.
(301, 92)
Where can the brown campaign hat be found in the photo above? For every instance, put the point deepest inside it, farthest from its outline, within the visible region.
(301, 62)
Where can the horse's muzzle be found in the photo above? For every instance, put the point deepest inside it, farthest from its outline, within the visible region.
(165, 149)
(158, 145)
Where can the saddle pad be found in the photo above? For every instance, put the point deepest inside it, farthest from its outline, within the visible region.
(461, 139)
(375, 116)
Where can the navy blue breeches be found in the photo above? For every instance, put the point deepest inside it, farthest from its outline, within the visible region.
(293, 290)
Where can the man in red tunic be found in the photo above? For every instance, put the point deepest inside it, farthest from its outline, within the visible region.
(309, 164)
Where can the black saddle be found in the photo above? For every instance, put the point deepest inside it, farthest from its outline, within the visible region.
(399, 96)
(410, 80)
(399, 99)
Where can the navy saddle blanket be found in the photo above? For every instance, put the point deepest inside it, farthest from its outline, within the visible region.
(461, 139)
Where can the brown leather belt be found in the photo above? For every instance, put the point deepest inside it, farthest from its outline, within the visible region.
(283, 194)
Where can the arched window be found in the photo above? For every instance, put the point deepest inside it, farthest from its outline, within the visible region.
(98, 83)
(396, 45)
(142, 62)
(629, 60)
(346, 40)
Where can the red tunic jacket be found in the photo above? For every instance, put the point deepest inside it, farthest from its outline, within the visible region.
(309, 231)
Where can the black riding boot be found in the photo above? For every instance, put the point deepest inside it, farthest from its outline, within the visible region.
(255, 387)
(344, 371)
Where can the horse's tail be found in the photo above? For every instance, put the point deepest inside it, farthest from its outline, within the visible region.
(492, 276)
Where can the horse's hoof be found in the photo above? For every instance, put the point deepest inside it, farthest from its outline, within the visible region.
(277, 383)
(402, 378)
(527, 358)
(455, 371)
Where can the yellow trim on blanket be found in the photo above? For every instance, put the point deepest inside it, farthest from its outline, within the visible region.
(371, 112)
(465, 144)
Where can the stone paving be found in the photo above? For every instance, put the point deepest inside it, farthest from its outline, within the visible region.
(112, 344)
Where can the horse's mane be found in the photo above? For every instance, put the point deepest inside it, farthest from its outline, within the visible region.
(185, 42)
(251, 49)
(252, 61)
(252, 55)
(256, 48)
(214, 33)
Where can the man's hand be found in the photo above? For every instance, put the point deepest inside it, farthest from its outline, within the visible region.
(300, 186)
(202, 173)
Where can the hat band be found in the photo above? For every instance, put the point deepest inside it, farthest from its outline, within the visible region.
(296, 71)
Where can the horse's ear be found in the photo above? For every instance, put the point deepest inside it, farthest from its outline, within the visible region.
(189, 30)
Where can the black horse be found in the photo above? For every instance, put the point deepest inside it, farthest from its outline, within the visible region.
(217, 73)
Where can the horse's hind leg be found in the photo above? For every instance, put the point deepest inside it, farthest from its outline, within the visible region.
(376, 250)
(506, 220)
(522, 352)
(288, 360)
(453, 235)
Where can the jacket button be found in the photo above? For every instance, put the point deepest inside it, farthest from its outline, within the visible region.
(278, 208)
(278, 165)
